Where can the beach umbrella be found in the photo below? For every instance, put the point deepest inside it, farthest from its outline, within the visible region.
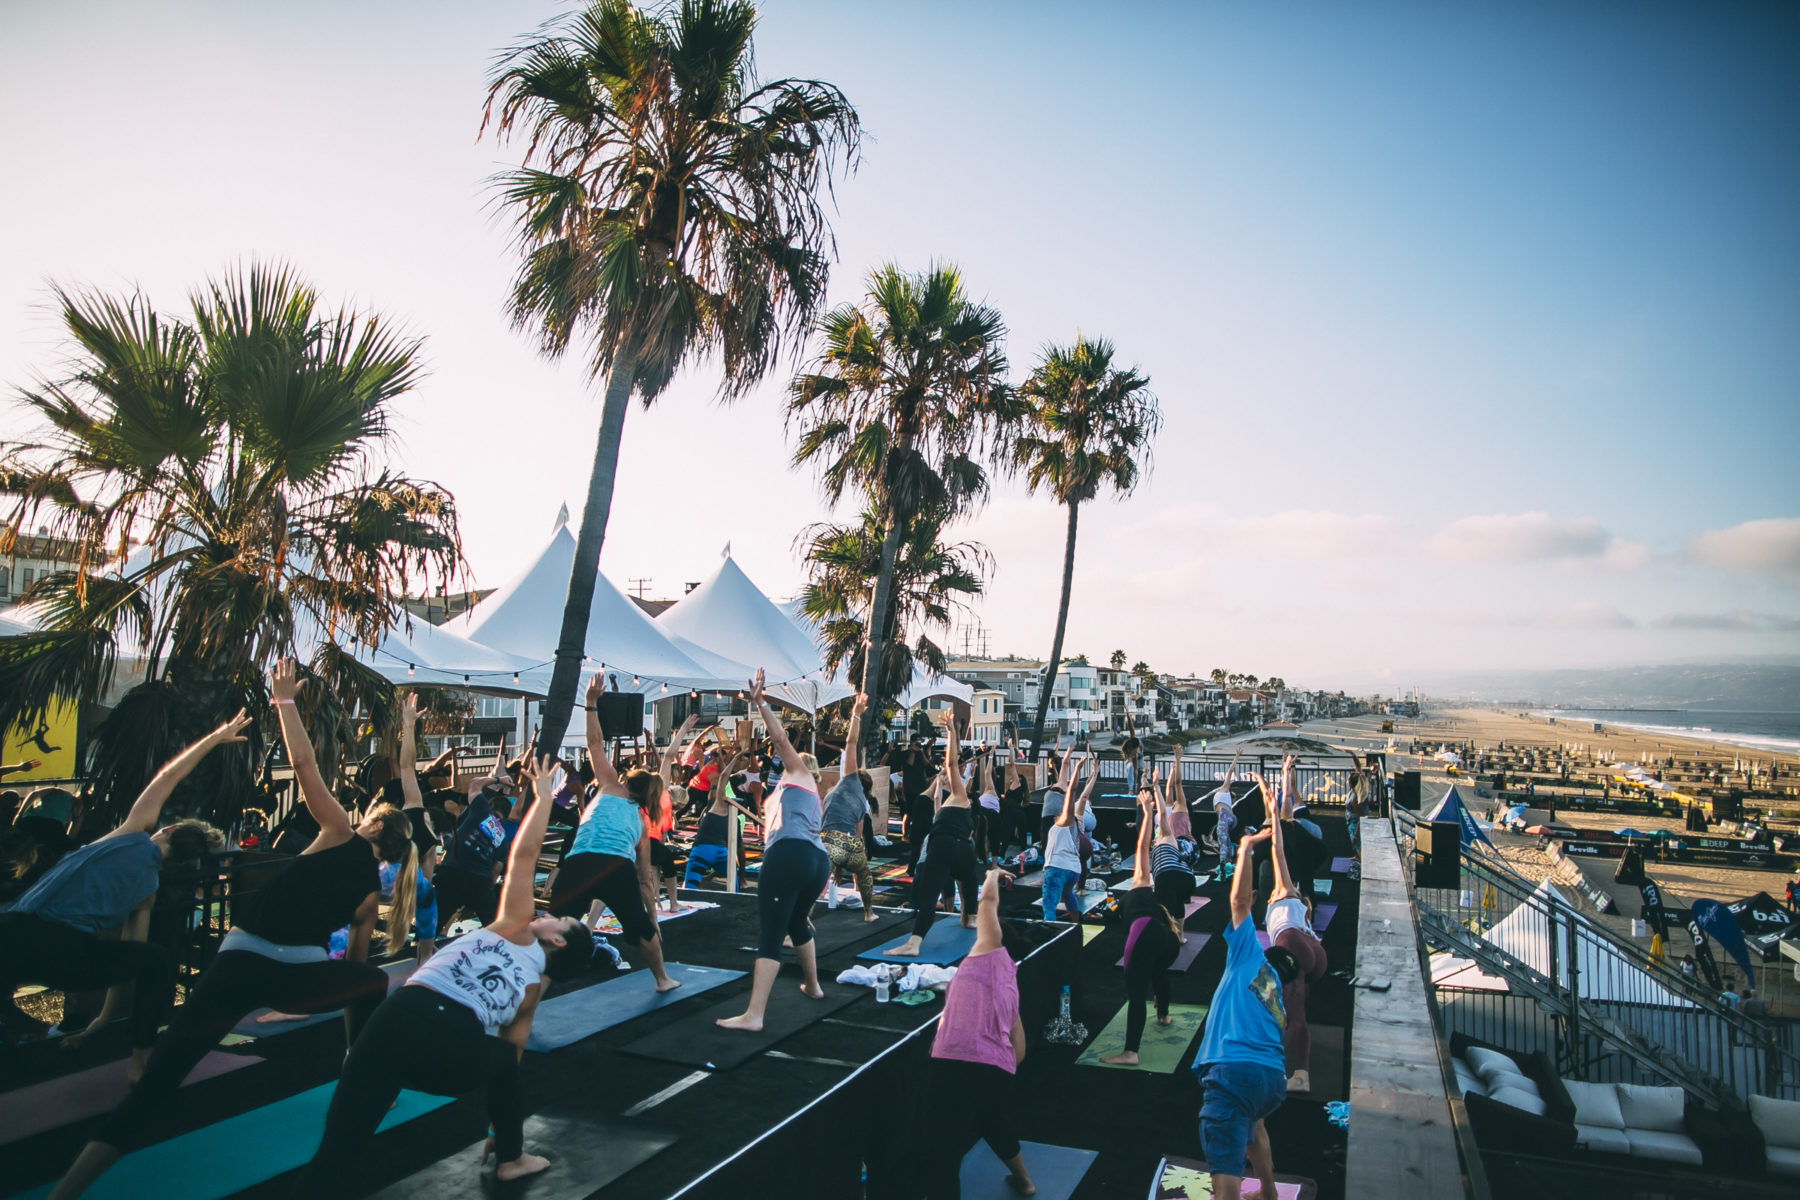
(1540, 831)
(1628, 831)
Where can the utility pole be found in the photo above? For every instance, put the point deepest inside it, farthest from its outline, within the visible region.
(639, 587)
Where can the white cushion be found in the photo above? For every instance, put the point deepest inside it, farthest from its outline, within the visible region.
(1655, 1108)
(1666, 1147)
(1779, 1121)
(1488, 1063)
(1515, 1098)
(1602, 1137)
(1466, 1080)
(1596, 1104)
(1782, 1160)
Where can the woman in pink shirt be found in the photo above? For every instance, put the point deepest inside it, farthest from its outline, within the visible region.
(980, 1043)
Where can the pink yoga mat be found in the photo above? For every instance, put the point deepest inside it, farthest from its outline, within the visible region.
(1184, 958)
(1194, 906)
(79, 1095)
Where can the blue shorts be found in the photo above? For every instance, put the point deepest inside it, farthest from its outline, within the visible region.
(1057, 883)
(1236, 1095)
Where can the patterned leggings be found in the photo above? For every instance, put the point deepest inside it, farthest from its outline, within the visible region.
(847, 853)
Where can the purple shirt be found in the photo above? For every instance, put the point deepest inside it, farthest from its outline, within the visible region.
(980, 1008)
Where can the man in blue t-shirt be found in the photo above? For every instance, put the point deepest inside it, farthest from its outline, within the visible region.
(1243, 1075)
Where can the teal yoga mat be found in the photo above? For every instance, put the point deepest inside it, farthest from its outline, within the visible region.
(566, 1019)
(397, 972)
(1056, 1170)
(945, 942)
(237, 1153)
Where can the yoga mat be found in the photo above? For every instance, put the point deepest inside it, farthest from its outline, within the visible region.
(609, 925)
(1322, 916)
(1030, 879)
(835, 929)
(82, 1094)
(1090, 932)
(1340, 866)
(586, 1152)
(1322, 887)
(1195, 905)
(1191, 1179)
(397, 972)
(1056, 1170)
(945, 942)
(1263, 939)
(696, 1041)
(1184, 958)
(1163, 1047)
(1089, 901)
(239, 1152)
(1326, 1065)
(566, 1019)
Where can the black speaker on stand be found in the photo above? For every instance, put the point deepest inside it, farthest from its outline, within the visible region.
(1407, 786)
(1437, 854)
(621, 714)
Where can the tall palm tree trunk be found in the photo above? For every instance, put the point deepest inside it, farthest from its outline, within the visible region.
(880, 625)
(1062, 624)
(571, 643)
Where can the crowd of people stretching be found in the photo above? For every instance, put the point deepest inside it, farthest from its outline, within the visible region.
(451, 871)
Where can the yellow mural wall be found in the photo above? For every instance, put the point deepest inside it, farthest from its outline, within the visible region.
(52, 745)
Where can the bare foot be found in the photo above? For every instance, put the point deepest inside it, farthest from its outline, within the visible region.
(1164, 1019)
(518, 1168)
(870, 916)
(909, 949)
(1125, 1058)
(1300, 1081)
(815, 991)
(968, 921)
(1023, 1187)
(665, 984)
(276, 1018)
(743, 1021)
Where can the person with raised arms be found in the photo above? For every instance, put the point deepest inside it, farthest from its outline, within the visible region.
(460, 1024)
(1242, 1071)
(276, 953)
(50, 935)
(1152, 937)
(794, 870)
(1062, 848)
(975, 1057)
(1226, 813)
(949, 854)
(846, 808)
(609, 863)
(1174, 880)
(1287, 918)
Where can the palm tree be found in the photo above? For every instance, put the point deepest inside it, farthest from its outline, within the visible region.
(1090, 426)
(908, 390)
(669, 209)
(1118, 660)
(215, 475)
(932, 581)
(1218, 676)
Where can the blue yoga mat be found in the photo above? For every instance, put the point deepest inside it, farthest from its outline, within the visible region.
(236, 1153)
(568, 1018)
(1056, 1170)
(945, 942)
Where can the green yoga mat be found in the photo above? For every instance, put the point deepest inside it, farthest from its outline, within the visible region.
(1163, 1047)
(239, 1152)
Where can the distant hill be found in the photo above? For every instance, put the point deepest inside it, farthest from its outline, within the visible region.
(1759, 687)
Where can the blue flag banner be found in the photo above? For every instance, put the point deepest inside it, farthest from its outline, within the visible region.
(1452, 808)
(1721, 925)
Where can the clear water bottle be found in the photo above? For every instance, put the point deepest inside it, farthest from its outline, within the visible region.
(831, 892)
(883, 984)
(1063, 1029)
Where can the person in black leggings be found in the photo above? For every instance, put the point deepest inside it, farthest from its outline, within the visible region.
(794, 870)
(1174, 881)
(275, 953)
(949, 855)
(49, 935)
(460, 1024)
(1151, 939)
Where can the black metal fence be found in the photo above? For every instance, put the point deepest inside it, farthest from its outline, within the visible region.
(1319, 786)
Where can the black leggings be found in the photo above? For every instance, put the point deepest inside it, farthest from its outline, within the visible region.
(427, 1042)
(610, 879)
(793, 874)
(33, 950)
(968, 1101)
(1174, 888)
(237, 983)
(1150, 949)
(949, 859)
(459, 889)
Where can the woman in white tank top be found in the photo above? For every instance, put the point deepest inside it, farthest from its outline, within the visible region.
(1290, 927)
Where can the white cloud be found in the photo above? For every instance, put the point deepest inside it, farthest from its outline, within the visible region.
(1590, 615)
(1729, 622)
(1524, 537)
(1772, 544)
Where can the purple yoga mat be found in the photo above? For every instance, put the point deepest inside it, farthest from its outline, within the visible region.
(1194, 906)
(1340, 866)
(1262, 937)
(1322, 916)
(79, 1095)
(1184, 958)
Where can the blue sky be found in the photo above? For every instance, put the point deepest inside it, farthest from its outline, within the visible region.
(1475, 326)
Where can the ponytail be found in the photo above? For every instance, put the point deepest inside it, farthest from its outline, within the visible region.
(404, 905)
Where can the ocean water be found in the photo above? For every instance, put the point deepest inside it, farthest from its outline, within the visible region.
(1766, 731)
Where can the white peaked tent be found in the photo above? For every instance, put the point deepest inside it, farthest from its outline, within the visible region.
(525, 617)
(727, 623)
(1524, 934)
(426, 655)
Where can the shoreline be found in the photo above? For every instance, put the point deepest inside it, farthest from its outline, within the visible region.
(1766, 743)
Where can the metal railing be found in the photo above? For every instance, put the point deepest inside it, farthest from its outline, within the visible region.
(1543, 976)
(1319, 786)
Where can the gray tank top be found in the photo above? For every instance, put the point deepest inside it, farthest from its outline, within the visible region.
(792, 812)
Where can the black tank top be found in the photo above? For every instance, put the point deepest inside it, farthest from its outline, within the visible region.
(953, 821)
(315, 896)
(713, 830)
